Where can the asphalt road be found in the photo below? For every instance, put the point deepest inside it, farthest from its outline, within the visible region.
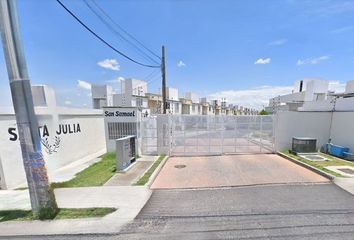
(316, 211)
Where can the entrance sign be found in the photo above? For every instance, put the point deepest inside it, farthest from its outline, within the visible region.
(53, 145)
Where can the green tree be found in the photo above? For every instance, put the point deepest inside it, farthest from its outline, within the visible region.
(263, 112)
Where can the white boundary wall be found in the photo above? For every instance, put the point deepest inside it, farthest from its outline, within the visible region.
(318, 125)
(342, 131)
(68, 135)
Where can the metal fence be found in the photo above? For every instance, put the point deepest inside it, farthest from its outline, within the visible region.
(188, 135)
(149, 135)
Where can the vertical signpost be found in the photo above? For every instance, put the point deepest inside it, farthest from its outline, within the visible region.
(42, 197)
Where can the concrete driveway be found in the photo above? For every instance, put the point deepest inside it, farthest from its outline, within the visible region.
(231, 170)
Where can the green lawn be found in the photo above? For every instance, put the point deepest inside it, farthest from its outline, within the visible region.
(144, 179)
(95, 175)
(64, 213)
(322, 164)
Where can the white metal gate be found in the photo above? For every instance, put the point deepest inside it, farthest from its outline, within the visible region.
(188, 135)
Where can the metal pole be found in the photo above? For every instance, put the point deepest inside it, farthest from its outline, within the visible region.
(163, 69)
(41, 195)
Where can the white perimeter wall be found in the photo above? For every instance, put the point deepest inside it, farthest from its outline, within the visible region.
(87, 143)
(342, 132)
(300, 124)
(314, 124)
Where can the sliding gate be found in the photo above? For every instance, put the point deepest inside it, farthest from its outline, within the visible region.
(188, 135)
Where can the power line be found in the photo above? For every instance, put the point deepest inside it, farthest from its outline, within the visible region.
(102, 40)
(108, 25)
(122, 29)
(148, 79)
(152, 74)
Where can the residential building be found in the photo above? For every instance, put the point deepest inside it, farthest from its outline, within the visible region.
(333, 101)
(154, 103)
(134, 93)
(313, 95)
(309, 89)
(102, 96)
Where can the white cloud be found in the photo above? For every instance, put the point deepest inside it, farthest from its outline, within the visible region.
(83, 84)
(262, 61)
(116, 80)
(337, 8)
(342, 29)
(253, 98)
(109, 64)
(279, 42)
(181, 64)
(67, 102)
(312, 61)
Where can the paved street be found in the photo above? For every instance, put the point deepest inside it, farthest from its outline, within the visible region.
(231, 170)
(300, 211)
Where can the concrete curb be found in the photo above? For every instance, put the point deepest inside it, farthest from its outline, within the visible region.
(309, 167)
(156, 172)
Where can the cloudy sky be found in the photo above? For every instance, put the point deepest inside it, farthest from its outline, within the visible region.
(246, 51)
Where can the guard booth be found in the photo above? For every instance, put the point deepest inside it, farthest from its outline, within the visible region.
(122, 122)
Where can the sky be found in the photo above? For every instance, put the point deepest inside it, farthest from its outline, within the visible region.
(246, 51)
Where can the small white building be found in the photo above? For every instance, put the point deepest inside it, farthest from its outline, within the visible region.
(174, 106)
(307, 90)
(102, 96)
(333, 101)
(125, 100)
(121, 122)
(134, 87)
(191, 96)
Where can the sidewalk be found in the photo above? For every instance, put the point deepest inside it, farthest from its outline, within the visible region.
(129, 201)
(130, 177)
(346, 183)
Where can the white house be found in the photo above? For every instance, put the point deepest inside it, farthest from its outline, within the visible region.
(102, 96)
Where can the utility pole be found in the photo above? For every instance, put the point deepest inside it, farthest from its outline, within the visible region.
(163, 70)
(42, 197)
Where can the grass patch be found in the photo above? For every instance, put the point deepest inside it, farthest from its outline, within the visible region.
(63, 213)
(95, 175)
(144, 179)
(20, 215)
(322, 164)
(67, 213)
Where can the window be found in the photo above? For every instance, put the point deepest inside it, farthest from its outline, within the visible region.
(139, 102)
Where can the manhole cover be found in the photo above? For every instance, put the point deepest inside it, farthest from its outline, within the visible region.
(180, 166)
(346, 170)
